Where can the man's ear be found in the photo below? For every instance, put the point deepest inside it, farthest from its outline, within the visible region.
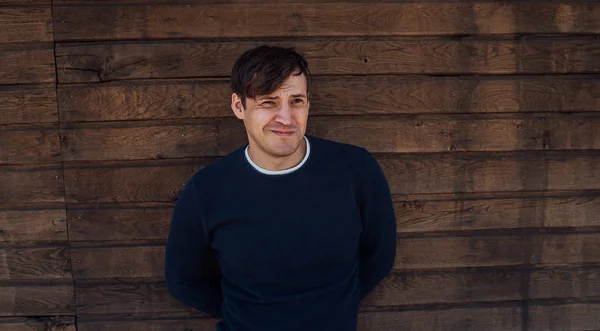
(236, 106)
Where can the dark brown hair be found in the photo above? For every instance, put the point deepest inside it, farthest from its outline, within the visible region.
(262, 70)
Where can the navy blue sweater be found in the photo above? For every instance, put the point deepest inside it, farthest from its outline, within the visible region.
(283, 252)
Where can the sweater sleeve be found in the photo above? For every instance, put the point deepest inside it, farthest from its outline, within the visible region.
(378, 239)
(191, 269)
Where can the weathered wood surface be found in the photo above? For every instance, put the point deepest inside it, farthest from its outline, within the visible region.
(38, 183)
(379, 95)
(570, 316)
(23, 105)
(322, 20)
(25, 25)
(40, 300)
(33, 226)
(161, 180)
(27, 65)
(31, 143)
(39, 264)
(40, 323)
(99, 62)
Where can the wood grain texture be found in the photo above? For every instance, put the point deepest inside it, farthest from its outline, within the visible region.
(322, 20)
(44, 263)
(207, 138)
(27, 66)
(177, 139)
(33, 226)
(78, 63)
(559, 284)
(31, 183)
(568, 317)
(119, 224)
(118, 262)
(126, 298)
(43, 300)
(23, 3)
(25, 25)
(22, 144)
(457, 319)
(488, 251)
(379, 95)
(163, 324)
(160, 181)
(493, 214)
(420, 174)
(39, 323)
(20, 105)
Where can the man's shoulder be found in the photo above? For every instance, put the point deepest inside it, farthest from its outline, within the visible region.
(339, 150)
(216, 170)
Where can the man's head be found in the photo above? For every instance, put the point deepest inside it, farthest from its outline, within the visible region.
(270, 94)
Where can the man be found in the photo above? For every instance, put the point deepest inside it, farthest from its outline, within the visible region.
(289, 232)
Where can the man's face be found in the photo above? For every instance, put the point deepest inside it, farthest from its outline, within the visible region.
(276, 123)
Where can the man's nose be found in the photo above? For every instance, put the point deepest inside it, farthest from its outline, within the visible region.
(284, 115)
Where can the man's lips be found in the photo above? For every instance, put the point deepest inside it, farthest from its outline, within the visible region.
(283, 132)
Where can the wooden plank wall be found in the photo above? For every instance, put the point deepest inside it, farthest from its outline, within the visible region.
(484, 116)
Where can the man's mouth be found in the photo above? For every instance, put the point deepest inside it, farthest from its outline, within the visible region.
(283, 133)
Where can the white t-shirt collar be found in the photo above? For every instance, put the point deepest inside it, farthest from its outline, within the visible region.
(279, 172)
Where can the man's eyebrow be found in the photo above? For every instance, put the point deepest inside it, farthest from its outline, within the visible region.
(299, 95)
(266, 97)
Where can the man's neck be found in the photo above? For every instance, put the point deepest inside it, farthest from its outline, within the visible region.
(272, 163)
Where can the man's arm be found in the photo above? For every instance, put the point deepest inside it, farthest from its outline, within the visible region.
(378, 240)
(191, 271)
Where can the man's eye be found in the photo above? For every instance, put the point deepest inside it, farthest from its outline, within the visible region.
(298, 101)
(267, 103)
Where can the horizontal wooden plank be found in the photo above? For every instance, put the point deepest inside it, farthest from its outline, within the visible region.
(568, 317)
(23, 3)
(128, 141)
(149, 223)
(490, 214)
(160, 181)
(24, 25)
(27, 66)
(459, 319)
(19, 105)
(118, 262)
(378, 95)
(44, 225)
(22, 144)
(27, 300)
(322, 20)
(484, 251)
(163, 324)
(152, 183)
(487, 173)
(79, 63)
(41, 263)
(38, 323)
(126, 298)
(558, 284)
(31, 183)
